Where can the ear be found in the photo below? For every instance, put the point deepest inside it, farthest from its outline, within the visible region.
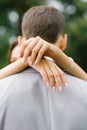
(21, 39)
(63, 42)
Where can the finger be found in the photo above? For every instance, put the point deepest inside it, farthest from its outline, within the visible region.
(56, 77)
(23, 46)
(28, 49)
(35, 51)
(44, 76)
(42, 71)
(22, 49)
(62, 76)
(41, 53)
(50, 77)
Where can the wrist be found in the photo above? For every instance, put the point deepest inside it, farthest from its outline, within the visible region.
(71, 66)
(51, 51)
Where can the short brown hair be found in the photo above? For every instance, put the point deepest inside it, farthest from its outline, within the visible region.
(44, 21)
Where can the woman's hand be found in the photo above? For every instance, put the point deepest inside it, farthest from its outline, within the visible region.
(51, 73)
(35, 48)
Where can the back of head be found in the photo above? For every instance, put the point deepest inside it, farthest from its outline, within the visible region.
(46, 22)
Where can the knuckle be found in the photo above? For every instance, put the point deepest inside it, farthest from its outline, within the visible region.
(34, 50)
(37, 37)
(51, 75)
(44, 74)
(56, 75)
(23, 45)
(40, 52)
(62, 73)
(32, 38)
(27, 49)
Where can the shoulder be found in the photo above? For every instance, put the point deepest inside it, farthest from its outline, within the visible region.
(75, 80)
(76, 86)
(28, 74)
(17, 84)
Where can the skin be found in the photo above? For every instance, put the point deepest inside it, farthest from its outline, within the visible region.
(36, 48)
(49, 71)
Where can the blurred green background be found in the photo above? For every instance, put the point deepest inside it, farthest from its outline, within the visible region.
(75, 12)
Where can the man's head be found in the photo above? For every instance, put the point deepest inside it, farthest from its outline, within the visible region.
(46, 22)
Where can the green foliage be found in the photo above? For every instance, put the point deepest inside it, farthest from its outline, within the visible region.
(8, 28)
(76, 28)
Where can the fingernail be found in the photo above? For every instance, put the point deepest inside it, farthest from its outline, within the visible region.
(19, 55)
(60, 88)
(47, 83)
(66, 84)
(23, 60)
(54, 88)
